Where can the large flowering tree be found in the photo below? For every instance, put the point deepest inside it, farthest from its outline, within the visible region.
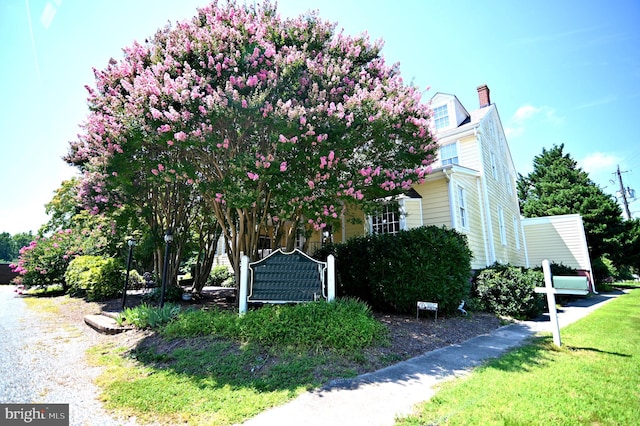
(257, 119)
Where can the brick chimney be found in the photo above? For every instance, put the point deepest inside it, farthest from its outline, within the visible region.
(483, 96)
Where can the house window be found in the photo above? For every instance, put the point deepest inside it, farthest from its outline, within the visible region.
(494, 165)
(501, 224)
(462, 208)
(387, 221)
(449, 154)
(507, 179)
(441, 116)
(300, 238)
(515, 232)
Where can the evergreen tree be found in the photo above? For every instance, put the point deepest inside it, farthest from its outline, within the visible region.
(558, 186)
(7, 247)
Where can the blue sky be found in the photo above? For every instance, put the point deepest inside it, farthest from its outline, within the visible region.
(559, 72)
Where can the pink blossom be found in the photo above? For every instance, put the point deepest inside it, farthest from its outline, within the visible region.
(180, 136)
(311, 184)
(269, 51)
(160, 167)
(283, 166)
(154, 171)
(253, 176)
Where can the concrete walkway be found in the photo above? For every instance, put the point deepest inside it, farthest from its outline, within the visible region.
(377, 398)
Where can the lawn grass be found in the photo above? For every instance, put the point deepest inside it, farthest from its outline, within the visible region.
(207, 386)
(214, 367)
(593, 379)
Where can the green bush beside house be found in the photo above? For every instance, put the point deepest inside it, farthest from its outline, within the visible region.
(95, 277)
(393, 272)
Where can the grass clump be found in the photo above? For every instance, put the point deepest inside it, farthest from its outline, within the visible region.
(146, 316)
(592, 379)
(345, 325)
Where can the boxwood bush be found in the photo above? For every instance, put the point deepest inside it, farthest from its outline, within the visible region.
(508, 290)
(393, 272)
(95, 277)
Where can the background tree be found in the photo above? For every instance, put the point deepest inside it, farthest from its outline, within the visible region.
(558, 186)
(10, 245)
(631, 246)
(63, 207)
(7, 247)
(255, 119)
(21, 239)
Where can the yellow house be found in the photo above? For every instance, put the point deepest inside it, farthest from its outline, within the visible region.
(472, 187)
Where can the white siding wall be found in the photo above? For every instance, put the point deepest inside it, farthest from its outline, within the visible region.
(499, 194)
(413, 208)
(475, 231)
(436, 209)
(559, 239)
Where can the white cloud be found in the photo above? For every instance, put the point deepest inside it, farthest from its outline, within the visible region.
(528, 113)
(47, 16)
(525, 113)
(599, 162)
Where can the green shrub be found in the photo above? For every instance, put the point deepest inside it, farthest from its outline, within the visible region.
(95, 277)
(350, 259)
(219, 276)
(559, 269)
(343, 325)
(145, 316)
(393, 272)
(509, 290)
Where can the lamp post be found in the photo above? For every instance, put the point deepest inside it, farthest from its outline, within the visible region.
(131, 243)
(168, 237)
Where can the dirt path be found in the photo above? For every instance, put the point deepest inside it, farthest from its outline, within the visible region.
(43, 360)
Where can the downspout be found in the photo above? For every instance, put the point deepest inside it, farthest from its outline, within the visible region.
(343, 223)
(451, 200)
(483, 222)
(524, 243)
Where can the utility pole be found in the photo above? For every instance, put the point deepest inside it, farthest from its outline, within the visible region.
(624, 193)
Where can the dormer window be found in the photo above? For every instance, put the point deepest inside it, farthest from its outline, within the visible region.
(441, 116)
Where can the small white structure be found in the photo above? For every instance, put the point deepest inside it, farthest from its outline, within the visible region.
(427, 306)
(561, 238)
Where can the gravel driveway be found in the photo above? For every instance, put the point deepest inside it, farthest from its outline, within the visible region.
(42, 360)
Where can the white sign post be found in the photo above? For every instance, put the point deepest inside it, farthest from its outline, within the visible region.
(551, 301)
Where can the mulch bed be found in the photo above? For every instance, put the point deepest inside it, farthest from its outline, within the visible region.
(409, 337)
